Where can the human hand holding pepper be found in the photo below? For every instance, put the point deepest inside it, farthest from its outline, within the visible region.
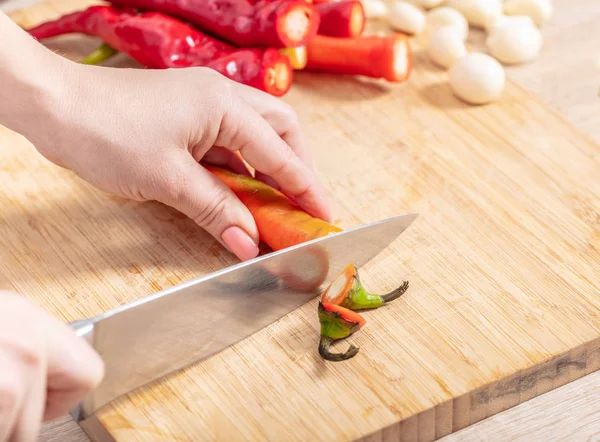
(141, 133)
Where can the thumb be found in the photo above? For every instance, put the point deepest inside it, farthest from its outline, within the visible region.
(211, 204)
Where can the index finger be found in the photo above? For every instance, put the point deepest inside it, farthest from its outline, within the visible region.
(280, 116)
(245, 130)
(74, 368)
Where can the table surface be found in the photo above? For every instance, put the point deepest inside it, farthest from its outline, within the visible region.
(564, 76)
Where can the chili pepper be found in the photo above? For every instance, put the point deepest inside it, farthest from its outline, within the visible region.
(280, 223)
(341, 18)
(101, 53)
(157, 40)
(244, 23)
(347, 291)
(337, 323)
(297, 56)
(387, 57)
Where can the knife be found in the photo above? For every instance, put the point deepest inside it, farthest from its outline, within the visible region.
(155, 336)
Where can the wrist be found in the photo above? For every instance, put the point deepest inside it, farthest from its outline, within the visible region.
(33, 82)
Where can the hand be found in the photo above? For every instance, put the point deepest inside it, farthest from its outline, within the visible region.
(45, 369)
(141, 133)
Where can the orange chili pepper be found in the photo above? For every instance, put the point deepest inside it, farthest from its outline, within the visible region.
(280, 223)
(337, 323)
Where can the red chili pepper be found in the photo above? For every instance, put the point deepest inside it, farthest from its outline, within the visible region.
(388, 57)
(156, 40)
(268, 23)
(341, 18)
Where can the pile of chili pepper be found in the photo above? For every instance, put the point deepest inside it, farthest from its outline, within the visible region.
(255, 42)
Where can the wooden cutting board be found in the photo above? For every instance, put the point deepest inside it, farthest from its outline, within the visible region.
(503, 263)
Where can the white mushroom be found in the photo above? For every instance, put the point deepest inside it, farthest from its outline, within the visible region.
(538, 10)
(477, 12)
(445, 46)
(446, 15)
(406, 17)
(514, 41)
(477, 78)
(374, 9)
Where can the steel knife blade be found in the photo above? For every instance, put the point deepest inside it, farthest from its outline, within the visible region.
(155, 336)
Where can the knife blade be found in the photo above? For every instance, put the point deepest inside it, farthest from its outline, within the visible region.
(155, 336)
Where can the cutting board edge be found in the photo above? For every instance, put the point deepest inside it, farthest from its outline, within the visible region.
(483, 402)
(95, 430)
(520, 387)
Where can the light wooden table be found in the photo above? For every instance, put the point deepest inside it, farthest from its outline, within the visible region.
(564, 76)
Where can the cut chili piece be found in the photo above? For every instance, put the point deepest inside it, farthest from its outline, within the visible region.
(341, 18)
(244, 23)
(280, 223)
(337, 323)
(156, 40)
(347, 291)
(387, 57)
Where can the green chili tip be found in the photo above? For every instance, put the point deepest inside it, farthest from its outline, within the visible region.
(324, 346)
(395, 294)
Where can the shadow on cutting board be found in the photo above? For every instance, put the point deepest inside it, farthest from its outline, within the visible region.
(107, 235)
(440, 95)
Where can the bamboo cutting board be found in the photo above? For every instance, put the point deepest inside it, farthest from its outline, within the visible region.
(503, 263)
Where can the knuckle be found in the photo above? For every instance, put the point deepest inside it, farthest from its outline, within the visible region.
(210, 213)
(166, 182)
(281, 168)
(223, 91)
(289, 114)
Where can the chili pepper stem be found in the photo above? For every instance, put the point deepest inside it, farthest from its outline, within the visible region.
(324, 346)
(395, 294)
(101, 53)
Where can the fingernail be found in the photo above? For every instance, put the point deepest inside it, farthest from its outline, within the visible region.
(239, 243)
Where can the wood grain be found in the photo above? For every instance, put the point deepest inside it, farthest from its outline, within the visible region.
(510, 183)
